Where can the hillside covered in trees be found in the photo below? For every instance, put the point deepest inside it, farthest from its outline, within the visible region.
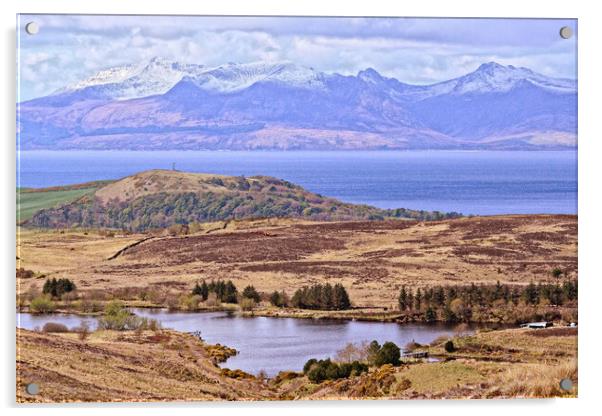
(161, 198)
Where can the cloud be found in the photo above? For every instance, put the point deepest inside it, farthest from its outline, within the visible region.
(71, 47)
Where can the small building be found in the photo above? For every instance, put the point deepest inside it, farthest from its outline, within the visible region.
(537, 325)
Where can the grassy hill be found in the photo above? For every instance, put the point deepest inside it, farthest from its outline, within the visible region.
(163, 198)
(31, 200)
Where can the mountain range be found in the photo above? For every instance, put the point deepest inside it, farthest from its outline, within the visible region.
(283, 106)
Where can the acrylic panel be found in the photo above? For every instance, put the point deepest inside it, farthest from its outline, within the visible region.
(295, 208)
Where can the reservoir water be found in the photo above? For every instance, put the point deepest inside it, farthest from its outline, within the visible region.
(268, 344)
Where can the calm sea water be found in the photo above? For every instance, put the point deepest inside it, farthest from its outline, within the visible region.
(269, 344)
(483, 182)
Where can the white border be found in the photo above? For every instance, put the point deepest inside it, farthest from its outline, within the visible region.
(590, 209)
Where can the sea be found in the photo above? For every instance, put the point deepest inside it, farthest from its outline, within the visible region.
(469, 182)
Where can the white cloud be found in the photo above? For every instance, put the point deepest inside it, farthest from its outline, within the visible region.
(69, 48)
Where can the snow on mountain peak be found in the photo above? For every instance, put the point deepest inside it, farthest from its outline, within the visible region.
(159, 75)
(155, 76)
(494, 77)
(235, 77)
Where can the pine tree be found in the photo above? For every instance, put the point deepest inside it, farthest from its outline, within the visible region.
(403, 299)
(418, 300)
(341, 298)
(430, 315)
(250, 292)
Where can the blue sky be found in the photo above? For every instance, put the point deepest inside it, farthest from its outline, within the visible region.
(414, 50)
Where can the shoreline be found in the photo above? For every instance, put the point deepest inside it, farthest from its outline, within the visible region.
(292, 313)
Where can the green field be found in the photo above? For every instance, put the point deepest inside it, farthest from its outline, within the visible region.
(30, 200)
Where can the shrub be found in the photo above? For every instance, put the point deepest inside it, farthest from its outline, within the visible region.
(250, 292)
(429, 315)
(190, 302)
(320, 370)
(24, 274)
(278, 299)
(117, 318)
(201, 290)
(388, 354)
(54, 327)
(89, 305)
(247, 304)
(352, 352)
(154, 325)
(285, 376)
(42, 304)
(309, 364)
(449, 346)
(83, 330)
(212, 300)
(411, 346)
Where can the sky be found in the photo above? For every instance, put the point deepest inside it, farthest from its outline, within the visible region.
(69, 48)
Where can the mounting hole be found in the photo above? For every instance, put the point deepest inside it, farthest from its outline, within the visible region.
(32, 28)
(32, 388)
(566, 384)
(566, 32)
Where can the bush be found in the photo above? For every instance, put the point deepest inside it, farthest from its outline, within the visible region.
(449, 346)
(278, 299)
(54, 327)
(411, 346)
(117, 318)
(24, 274)
(247, 304)
(190, 302)
(251, 293)
(83, 330)
(430, 315)
(309, 364)
(320, 370)
(42, 304)
(388, 354)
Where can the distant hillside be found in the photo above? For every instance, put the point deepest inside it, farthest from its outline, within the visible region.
(281, 105)
(161, 198)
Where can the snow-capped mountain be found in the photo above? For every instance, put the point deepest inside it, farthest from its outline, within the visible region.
(156, 76)
(280, 105)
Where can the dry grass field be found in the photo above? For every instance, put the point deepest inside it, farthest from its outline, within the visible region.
(371, 259)
(125, 366)
(171, 366)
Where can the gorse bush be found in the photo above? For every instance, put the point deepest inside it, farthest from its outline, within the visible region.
(323, 297)
(57, 288)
